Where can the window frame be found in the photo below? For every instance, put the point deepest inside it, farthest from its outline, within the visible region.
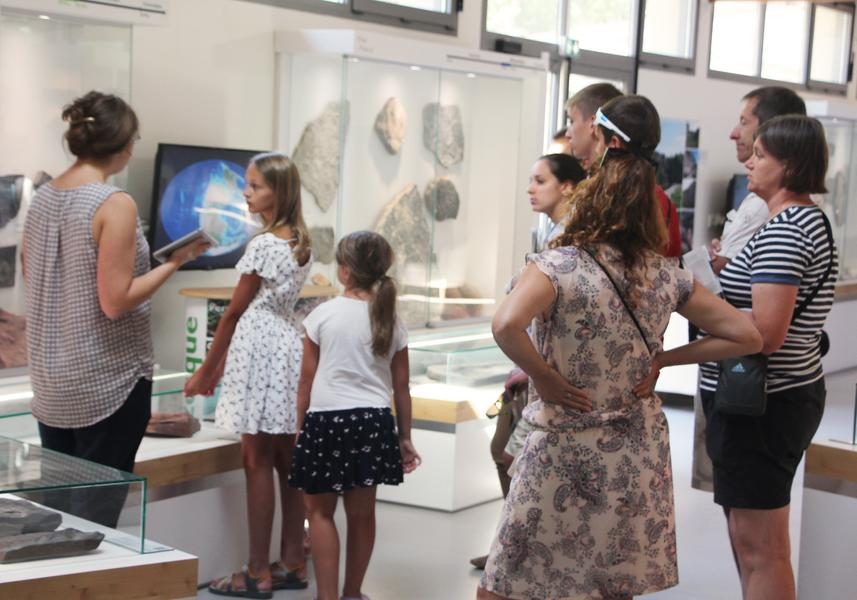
(826, 87)
(377, 11)
(665, 62)
(823, 87)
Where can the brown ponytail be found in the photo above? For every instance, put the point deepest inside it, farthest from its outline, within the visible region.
(368, 257)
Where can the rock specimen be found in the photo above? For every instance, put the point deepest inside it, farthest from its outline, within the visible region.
(53, 544)
(10, 198)
(321, 239)
(390, 125)
(403, 222)
(178, 424)
(317, 153)
(20, 516)
(13, 340)
(443, 132)
(7, 266)
(441, 199)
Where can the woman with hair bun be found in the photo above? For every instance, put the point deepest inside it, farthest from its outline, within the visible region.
(589, 512)
(88, 279)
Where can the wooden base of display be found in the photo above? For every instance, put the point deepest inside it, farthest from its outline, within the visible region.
(111, 573)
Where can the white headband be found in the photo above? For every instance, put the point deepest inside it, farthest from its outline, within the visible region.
(601, 119)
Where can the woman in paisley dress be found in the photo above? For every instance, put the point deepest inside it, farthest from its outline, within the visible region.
(590, 511)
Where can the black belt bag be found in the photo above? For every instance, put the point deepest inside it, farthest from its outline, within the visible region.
(742, 387)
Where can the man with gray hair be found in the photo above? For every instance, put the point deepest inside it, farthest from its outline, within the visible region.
(758, 106)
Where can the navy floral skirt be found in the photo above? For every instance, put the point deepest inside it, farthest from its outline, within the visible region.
(340, 450)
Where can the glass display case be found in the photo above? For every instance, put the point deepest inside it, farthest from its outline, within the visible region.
(52, 504)
(429, 145)
(464, 357)
(839, 119)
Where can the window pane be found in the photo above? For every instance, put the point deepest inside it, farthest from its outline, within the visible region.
(669, 27)
(578, 82)
(441, 6)
(735, 37)
(603, 26)
(533, 20)
(830, 47)
(786, 38)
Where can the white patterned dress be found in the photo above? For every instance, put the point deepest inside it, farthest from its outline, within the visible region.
(263, 365)
(590, 511)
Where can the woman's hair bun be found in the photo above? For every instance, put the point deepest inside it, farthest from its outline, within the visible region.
(99, 125)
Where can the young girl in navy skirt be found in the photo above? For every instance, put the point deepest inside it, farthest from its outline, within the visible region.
(355, 358)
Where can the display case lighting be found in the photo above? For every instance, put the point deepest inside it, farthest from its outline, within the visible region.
(471, 75)
(416, 68)
(45, 17)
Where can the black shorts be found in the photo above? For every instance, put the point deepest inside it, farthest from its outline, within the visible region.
(755, 458)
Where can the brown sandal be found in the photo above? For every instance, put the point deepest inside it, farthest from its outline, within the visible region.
(229, 586)
(283, 578)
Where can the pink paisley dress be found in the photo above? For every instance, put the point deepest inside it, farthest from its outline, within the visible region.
(590, 509)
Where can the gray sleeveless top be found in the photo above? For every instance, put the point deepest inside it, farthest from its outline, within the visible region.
(82, 365)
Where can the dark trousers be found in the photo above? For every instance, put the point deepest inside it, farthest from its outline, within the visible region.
(112, 442)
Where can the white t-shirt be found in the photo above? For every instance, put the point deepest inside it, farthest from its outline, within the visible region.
(348, 374)
(741, 224)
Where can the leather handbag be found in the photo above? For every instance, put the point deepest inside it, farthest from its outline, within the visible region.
(742, 387)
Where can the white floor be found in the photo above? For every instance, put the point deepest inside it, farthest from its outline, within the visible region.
(423, 554)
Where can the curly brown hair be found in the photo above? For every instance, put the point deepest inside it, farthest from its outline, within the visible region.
(617, 206)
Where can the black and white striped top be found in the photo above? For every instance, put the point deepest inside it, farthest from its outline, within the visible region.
(82, 365)
(793, 248)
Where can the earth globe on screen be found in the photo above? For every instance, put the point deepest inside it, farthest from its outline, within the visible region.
(209, 194)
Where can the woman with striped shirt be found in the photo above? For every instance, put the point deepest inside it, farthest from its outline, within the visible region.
(785, 277)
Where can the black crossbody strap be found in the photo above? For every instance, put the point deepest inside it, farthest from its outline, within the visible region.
(824, 277)
(621, 297)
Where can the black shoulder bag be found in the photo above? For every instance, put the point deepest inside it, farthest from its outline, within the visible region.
(742, 387)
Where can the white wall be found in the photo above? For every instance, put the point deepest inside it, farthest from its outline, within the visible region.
(208, 78)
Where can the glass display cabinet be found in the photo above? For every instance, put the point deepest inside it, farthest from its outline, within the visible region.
(839, 119)
(429, 145)
(469, 357)
(52, 504)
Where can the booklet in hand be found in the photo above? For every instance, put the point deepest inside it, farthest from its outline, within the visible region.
(162, 254)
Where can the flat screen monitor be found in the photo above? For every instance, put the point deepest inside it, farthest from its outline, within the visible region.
(198, 186)
(736, 192)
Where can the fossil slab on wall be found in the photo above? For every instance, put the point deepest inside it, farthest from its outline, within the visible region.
(321, 239)
(390, 125)
(443, 132)
(317, 154)
(441, 199)
(404, 224)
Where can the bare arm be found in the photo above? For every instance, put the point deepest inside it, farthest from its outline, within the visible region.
(114, 229)
(731, 332)
(402, 393)
(773, 306)
(402, 398)
(208, 374)
(309, 366)
(533, 296)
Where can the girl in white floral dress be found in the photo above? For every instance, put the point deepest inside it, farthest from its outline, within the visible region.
(589, 514)
(260, 374)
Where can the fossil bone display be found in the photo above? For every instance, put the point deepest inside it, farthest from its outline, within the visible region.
(51, 544)
(20, 516)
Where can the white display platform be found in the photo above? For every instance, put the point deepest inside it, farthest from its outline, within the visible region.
(453, 436)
